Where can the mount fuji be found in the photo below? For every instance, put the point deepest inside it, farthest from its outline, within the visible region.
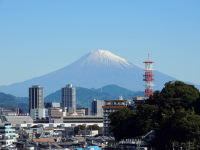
(94, 70)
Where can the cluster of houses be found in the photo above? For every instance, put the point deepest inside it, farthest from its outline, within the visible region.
(21, 131)
(59, 125)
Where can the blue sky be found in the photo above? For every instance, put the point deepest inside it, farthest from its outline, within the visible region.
(41, 36)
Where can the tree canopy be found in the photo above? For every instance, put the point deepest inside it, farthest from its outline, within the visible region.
(173, 113)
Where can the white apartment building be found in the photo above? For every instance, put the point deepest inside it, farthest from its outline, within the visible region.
(109, 107)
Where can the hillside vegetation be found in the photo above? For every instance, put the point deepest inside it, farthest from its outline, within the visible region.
(84, 96)
(174, 114)
(8, 101)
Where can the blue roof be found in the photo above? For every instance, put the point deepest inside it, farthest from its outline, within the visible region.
(95, 147)
(73, 139)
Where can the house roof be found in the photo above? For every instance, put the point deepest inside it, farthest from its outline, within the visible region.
(44, 140)
(112, 107)
(18, 119)
(78, 137)
(117, 100)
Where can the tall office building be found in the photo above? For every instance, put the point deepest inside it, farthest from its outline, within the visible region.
(36, 99)
(69, 98)
(97, 109)
(36, 102)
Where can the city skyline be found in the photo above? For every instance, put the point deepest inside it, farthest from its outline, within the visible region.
(38, 37)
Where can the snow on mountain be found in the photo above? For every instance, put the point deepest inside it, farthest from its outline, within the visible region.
(94, 70)
(104, 57)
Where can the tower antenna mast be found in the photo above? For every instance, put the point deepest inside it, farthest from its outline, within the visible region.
(148, 78)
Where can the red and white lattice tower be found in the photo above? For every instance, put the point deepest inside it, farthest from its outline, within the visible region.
(148, 78)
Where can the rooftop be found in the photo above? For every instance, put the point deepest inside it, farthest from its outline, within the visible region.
(18, 119)
(118, 100)
(44, 140)
(113, 107)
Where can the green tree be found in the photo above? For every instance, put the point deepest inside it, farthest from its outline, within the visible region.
(78, 128)
(182, 128)
(94, 127)
(173, 113)
(175, 94)
(119, 124)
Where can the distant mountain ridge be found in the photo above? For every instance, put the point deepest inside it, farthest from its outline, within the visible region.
(84, 97)
(8, 101)
(94, 70)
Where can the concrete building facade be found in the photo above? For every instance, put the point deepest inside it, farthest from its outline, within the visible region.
(36, 98)
(109, 107)
(87, 120)
(36, 102)
(80, 111)
(7, 136)
(55, 115)
(87, 111)
(38, 113)
(97, 109)
(69, 98)
(52, 104)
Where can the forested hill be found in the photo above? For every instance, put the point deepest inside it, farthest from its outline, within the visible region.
(8, 101)
(173, 113)
(84, 96)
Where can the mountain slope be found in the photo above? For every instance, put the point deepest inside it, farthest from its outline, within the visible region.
(84, 96)
(8, 101)
(94, 70)
(115, 90)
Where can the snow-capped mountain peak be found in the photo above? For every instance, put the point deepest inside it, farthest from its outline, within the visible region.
(104, 57)
(94, 70)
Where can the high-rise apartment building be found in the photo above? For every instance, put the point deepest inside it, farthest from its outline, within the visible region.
(36, 102)
(97, 109)
(69, 98)
(36, 98)
(109, 107)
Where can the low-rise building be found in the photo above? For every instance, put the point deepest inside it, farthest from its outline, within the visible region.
(139, 100)
(80, 111)
(37, 113)
(16, 120)
(97, 107)
(7, 136)
(55, 115)
(83, 111)
(13, 112)
(52, 104)
(86, 120)
(87, 111)
(88, 132)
